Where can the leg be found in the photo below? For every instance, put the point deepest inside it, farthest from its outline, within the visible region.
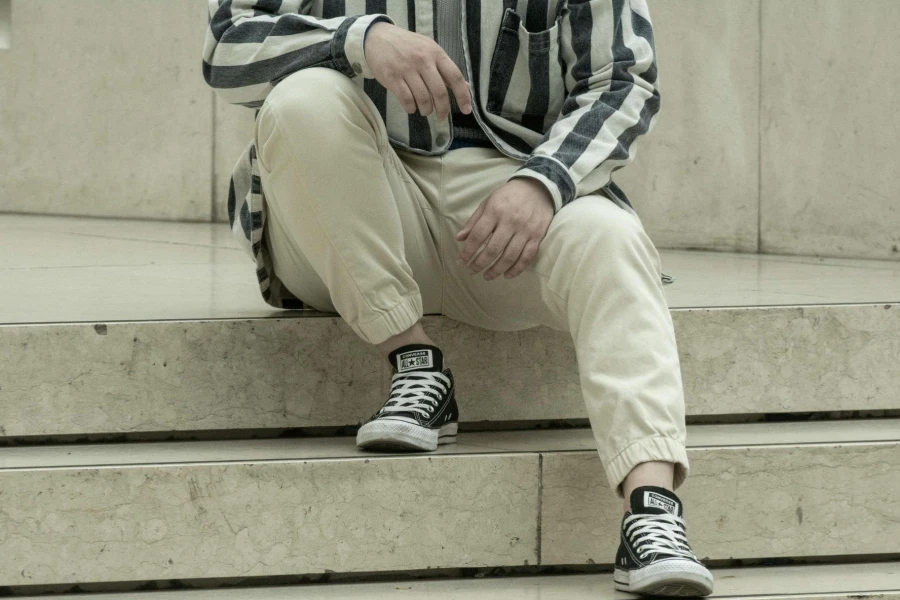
(596, 275)
(658, 473)
(303, 281)
(350, 230)
(413, 335)
(605, 274)
(347, 228)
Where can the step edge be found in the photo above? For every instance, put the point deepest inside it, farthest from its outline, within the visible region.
(340, 448)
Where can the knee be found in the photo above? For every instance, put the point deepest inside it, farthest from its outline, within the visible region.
(310, 97)
(601, 227)
(316, 103)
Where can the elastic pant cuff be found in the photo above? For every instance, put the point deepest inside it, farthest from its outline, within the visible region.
(398, 319)
(647, 450)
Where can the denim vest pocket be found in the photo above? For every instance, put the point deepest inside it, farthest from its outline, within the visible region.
(526, 78)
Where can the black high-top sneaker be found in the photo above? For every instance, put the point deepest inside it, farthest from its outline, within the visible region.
(421, 412)
(654, 556)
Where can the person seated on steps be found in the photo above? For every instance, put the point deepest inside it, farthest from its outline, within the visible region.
(455, 157)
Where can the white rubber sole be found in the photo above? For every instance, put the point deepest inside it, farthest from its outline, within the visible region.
(666, 578)
(385, 434)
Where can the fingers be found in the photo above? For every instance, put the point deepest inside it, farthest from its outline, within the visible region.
(456, 81)
(510, 224)
(417, 70)
(420, 92)
(405, 96)
(495, 247)
(508, 248)
(529, 252)
(464, 232)
(479, 233)
(438, 90)
(509, 257)
(420, 77)
(429, 87)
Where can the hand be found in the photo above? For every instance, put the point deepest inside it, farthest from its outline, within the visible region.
(515, 217)
(416, 70)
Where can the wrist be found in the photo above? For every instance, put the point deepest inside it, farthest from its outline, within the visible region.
(553, 175)
(374, 27)
(538, 188)
(355, 41)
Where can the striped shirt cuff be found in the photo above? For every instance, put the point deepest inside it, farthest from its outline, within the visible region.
(553, 175)
(354, 43)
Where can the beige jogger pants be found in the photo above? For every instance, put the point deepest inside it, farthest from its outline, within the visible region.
(358, 228)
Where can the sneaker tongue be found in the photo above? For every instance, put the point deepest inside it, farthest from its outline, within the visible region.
(652, 500)
(416, 357)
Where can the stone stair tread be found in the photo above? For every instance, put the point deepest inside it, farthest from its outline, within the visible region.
(840, 432)
(84, 514)
(105, 270)
(811, 582)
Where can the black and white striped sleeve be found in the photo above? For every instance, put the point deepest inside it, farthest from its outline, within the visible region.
(251, 45)
(612, 97)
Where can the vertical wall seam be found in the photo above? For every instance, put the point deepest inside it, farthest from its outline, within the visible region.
(540, 507)
(759, 132)
(212, 166)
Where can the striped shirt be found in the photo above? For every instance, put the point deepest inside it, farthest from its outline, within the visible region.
(466, 130)
(565, 86)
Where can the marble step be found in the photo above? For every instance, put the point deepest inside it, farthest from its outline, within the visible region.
(120, 327)
(158, 376)
(81, 513)
(878, 581)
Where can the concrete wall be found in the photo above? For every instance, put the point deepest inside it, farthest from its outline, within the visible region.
(830, 128)
(778, 131)
(104, 111)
